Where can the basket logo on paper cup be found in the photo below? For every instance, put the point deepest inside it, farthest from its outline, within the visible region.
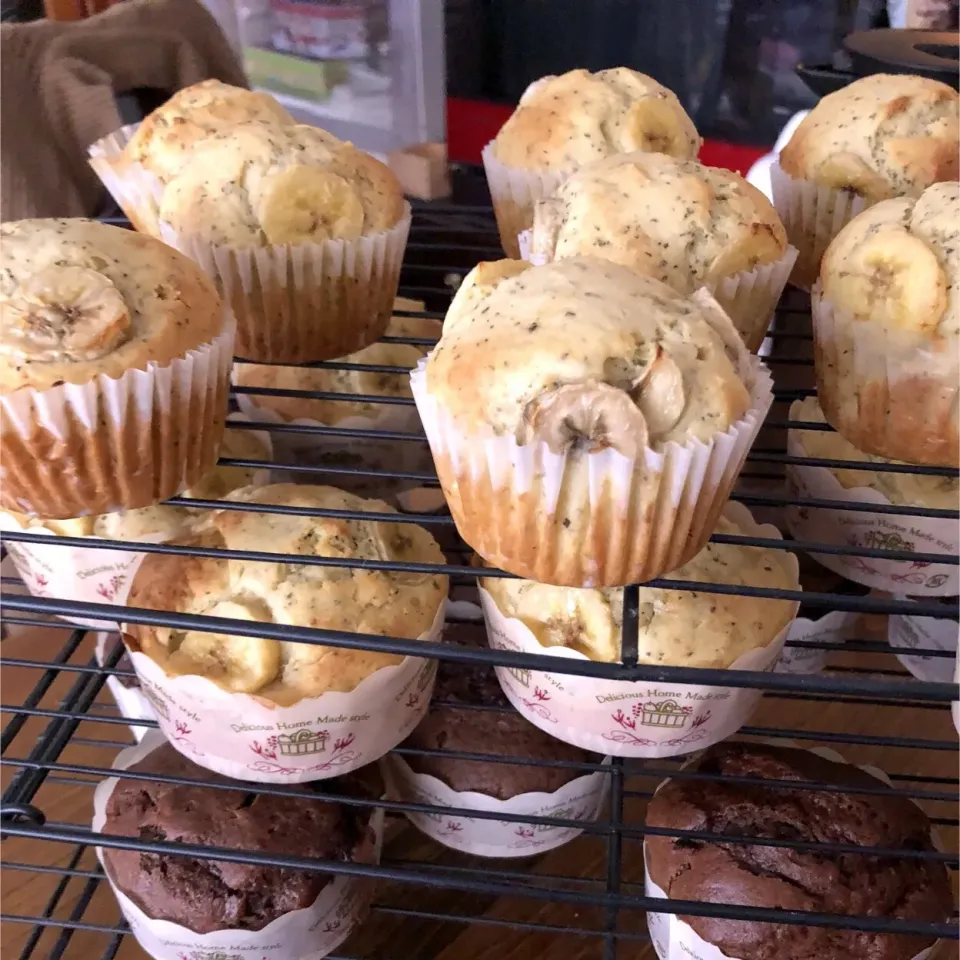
(667, 713)
(300, 744)
(663, 714)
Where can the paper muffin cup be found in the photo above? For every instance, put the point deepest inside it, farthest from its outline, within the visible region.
(86, 574)
(310, 933)
(750, 297)
(621, 717)
(250, 738)
(580, 799)
(833, 628)
(305, 302)
(515, 194)
(850, 528)
(323, 450)
(905, 633)
(81, 449)
(812, 216)
(646, 514)
(131, 703)
(673, 939)
(889, 392)
(136, 191)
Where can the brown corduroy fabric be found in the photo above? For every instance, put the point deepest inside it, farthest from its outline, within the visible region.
(59, 81)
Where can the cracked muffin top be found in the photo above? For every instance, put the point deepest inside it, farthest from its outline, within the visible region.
(165, 139)
(258, 184)
(563, 122)
(882, 136)
(677, 220)
(80, 298)
(585, 355)
(898, 264)
(852, 884)
(209, 895)
(676, 628)
(352, 598)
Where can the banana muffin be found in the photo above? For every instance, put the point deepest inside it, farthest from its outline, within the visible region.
(886, 324)
(303, 232)
(115, 354)
(879, 137)
(565, 122)
(558, 400)
(906, 888)
(684, 223)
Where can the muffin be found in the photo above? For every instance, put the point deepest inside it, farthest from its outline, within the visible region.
(677, 220)
(357, 410)
(880, 137)
(174, 903)
(303, 233)
(851, 884)
(886, 328)
(281, 710)
(115, 355)
(587, 423)
(135, 162)
(563, 123)
(676, 628)
(470, 714)
(99, 575)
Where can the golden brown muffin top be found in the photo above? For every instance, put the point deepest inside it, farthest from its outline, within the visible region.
(898, 264)
(258, 184)
(586, 354)
(164, 141)
(910, 489)
(356, 382)
(384, 603)
(677, 628)
(679, 221)
(571, 120)
(882, 136)
(79, 299)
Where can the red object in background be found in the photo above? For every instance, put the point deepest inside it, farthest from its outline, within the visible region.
(472, 124)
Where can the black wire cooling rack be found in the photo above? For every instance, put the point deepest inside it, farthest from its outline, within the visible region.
(584, 900)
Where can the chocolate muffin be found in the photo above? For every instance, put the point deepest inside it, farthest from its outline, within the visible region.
(501, 732)
(210, 895)
(787, 879)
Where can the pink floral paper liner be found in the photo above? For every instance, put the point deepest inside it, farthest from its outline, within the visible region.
(846, 528)
(833, 627)
(684, 488)
(310, 933)
(672, 939)
(249, 738)
(625, 718)
(579, 799)
(88, 574)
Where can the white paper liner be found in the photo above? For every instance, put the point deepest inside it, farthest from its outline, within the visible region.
(183, 402)
(890, 392)
(621, 717)
(136, 190)
(580, 799)
(905, 633)
(673, 939)
(649, 514)
(249, 738)
(955, 705)
(318, 450)
(750, 297)
(515, 193)
(88, 574)
(833, 628)
(307, 934)
(131, 703)
(812, 216)
(849, 528)
(305, 302)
